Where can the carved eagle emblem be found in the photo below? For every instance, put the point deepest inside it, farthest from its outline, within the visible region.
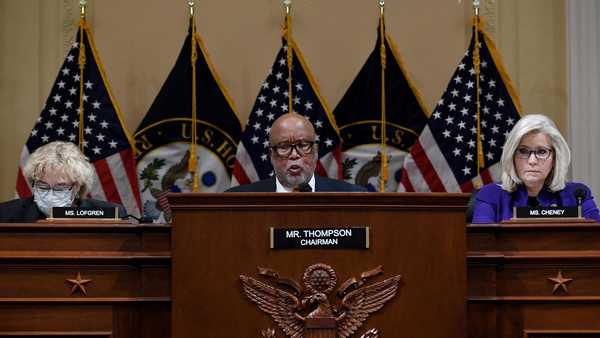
(308, 313)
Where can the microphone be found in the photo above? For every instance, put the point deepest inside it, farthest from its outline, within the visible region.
(579, 194)
(140, 220)
(304, 187)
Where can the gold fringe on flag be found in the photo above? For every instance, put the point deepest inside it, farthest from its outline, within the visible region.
(384, 158)
(81, 61)
(290, 53)
(193, 161)
(476, 66)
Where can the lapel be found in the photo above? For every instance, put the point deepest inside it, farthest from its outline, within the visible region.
(320, 185)
(272, 185)
(30, 211)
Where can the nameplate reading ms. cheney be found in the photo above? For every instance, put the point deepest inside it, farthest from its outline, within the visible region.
(546, 212)
(320, 238)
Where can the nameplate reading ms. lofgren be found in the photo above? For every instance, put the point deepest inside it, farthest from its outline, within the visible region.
(96, 213)
(320, 238)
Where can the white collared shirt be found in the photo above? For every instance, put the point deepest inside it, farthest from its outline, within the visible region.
(281, 188)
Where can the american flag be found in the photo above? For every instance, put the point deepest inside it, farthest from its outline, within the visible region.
(252, 157)
(105, 140)
(444, 159)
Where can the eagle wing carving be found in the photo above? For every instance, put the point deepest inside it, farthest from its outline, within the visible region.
(359, 304)
(280, 304)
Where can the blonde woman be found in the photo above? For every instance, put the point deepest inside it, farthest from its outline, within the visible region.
(60, 176)
(535, 161)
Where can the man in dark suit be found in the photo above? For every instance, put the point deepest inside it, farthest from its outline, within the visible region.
(60, 176)
(294, 154)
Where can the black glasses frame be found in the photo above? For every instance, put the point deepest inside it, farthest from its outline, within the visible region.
(286, 149)
(535, 152)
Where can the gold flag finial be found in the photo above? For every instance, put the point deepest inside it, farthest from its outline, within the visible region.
(476, 6)
(191, 5)
(82, 4)
(288, 6)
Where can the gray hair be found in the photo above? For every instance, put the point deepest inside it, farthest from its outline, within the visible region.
(535, 123)
(63, 159)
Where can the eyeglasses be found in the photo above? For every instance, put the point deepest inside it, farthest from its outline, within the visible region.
(45, 188)
(285, 149)
(541, 154)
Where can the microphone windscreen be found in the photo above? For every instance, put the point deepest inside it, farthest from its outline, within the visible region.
(304, 187)
(579, 193)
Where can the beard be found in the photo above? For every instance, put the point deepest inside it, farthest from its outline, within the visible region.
(296, 172)
(290, 181)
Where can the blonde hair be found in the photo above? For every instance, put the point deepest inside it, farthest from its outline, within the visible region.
(535, 123)
(62, 159)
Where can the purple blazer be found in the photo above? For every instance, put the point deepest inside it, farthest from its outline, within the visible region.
(493, 204)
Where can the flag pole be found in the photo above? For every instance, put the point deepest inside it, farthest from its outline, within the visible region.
(81, 62)
(193, 161)
(382, 51)
(290, 51)
(476, 65)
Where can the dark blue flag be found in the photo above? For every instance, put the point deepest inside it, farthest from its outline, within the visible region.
(164, 136)
(358, 116)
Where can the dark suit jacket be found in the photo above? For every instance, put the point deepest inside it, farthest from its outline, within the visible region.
(322, 184)
(24, 210)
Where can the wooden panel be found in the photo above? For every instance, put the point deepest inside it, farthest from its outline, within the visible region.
(129, 291)
(510, 294)
(54, 317)
(43, 334)
(481, 320)
(107, 281)
(561, 334)
(420, 236)
(82, 237)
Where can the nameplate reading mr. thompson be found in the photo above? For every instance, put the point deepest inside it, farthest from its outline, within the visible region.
(320, 238)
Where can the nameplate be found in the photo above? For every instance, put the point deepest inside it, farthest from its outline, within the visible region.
(546, 212)
(88, 213)
(320, 238)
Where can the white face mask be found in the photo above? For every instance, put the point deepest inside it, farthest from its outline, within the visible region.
(46, 200)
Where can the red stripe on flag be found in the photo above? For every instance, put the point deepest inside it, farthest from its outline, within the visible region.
(163, 202)
(486, 177)
(337, 154)
(320, 170)
(467, 186)
(22, 186)
(426, 168)
(107, 181)
(130, 169)
(239, 173)
(405, 181)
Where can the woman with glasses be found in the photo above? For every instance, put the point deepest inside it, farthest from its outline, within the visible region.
(535, 161)
(60, 176)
